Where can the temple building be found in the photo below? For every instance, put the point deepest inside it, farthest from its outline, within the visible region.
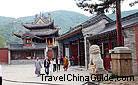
(39, 39)
(71, 45)
(100, 30)
(74, 43)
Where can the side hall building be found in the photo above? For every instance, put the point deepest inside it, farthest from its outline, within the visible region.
(100, 30)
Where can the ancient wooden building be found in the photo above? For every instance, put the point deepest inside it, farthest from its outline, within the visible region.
(101, 30)
(41, 35)
(107, 40)
(71, 45)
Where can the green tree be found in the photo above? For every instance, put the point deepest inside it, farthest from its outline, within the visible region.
(2, 41)
(100, 6)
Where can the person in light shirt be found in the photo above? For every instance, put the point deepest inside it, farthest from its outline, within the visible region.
(51, 67)
(38, 67)
(0, 75)
(54, 64)
(58, 63)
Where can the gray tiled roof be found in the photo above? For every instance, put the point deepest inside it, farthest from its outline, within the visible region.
(87, 23)
(36, 33)
(23, 35)
(32, 25)
(46, 32)
(96, 19)
(21, 47)
(131, 19)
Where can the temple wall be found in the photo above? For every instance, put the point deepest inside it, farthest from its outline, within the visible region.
(129, 41)
(25, 54)
(3, 55)
(136, 47)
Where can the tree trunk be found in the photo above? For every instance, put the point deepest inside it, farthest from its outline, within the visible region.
(118, 24)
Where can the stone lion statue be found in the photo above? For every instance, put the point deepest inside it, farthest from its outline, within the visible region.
(95, 63)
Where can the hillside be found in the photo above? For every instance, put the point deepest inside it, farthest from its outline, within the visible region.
(64, 19)
(123, 14)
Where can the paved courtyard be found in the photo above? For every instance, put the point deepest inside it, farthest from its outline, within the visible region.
(24, 75)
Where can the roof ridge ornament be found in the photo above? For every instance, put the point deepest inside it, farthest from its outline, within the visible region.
(49, 17)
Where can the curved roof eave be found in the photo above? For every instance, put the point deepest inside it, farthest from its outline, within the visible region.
(32, 26)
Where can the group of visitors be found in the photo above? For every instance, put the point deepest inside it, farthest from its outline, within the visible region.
(50, 65)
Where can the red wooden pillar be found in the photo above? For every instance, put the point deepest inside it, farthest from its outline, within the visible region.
(118, 24)
(110, 42)
(63, 53)
(78, 43)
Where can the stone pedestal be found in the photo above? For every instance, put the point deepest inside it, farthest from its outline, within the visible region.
(121, 61)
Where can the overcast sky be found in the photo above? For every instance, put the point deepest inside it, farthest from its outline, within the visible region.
(20, 8)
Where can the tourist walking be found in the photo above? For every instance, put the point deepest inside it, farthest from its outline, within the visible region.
(38, 67)
(61, 59)
(65, 63)
(51, 67)
(46, 65)
(54, 64)
(58, 63)
(0, 75)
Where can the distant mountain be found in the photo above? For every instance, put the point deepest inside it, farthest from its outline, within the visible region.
(64, 19)
(123, 14)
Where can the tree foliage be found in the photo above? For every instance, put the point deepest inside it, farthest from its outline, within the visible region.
(99, 6)
(2, 41)
(133, 3)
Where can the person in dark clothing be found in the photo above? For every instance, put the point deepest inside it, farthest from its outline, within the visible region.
(0, 75)
(61, 59)
(0, 80)
(46, 65)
